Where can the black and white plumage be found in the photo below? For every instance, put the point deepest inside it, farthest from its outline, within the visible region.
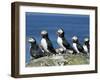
(46, 44)
(61, 51)
(86, 45)
(76, 45)
(62, 42)
(35, 51)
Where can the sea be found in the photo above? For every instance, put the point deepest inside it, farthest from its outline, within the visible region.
(72, 24)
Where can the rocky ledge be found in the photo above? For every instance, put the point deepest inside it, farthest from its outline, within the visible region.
(60, 60)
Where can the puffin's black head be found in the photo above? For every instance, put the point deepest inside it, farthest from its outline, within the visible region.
(75, 39)
(60, 32)
(44, 34)
(32, 40)
(86, 41)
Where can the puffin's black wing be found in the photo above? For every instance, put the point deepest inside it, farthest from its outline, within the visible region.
(66, 44)
(35, 51)
(80, 48)
(32, 52)
(50, 47)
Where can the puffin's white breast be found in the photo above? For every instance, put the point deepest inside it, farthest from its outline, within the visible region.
(60, 43)
(44, 44)
(75, 47)
(85, 48)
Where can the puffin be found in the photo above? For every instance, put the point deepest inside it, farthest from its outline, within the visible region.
(86, 45)
(35, 51)
(46, 44)
(76, 45)
(62, 42)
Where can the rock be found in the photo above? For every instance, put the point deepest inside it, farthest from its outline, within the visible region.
(60, 60)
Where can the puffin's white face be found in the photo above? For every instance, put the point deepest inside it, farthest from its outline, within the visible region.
(74, 38)
(86, 39)
(31, 40)
(60, 31)
(44, 32)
